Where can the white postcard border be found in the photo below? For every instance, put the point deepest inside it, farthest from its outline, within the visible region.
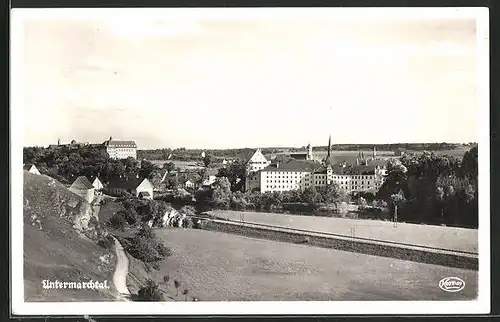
(19, 307)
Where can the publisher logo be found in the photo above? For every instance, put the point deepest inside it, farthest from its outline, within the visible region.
(451, 284)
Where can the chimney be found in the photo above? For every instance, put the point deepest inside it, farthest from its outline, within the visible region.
(111, 138)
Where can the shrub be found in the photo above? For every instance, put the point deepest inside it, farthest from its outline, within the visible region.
(199, 223)
(146, 247)
(106, 242)
(117, 221)
(150, 292)
(187, 222)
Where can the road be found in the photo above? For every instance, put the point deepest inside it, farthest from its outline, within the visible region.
(121, 272)
(121, 269)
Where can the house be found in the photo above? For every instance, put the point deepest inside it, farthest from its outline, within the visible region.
(211, 177)
(186, 183)
(31, 168)
(139, 187)
(82, 187)
(97, 183)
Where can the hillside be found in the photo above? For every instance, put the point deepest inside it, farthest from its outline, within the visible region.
(60, 237)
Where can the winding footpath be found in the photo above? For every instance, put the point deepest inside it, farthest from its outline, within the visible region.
(121, 271)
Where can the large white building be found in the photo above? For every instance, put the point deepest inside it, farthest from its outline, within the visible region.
(120, 149)
(285, 174)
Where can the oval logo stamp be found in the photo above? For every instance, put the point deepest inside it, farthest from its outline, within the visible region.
(451, 284)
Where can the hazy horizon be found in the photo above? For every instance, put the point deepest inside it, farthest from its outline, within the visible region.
(213, 83)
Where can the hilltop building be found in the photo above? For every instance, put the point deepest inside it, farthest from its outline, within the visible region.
(120, 149)
(290, 173)
(72, 145)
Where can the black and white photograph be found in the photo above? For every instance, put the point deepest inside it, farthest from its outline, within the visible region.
(250, 160)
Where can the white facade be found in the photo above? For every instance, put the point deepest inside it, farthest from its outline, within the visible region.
(121, 149)
(257, 162)
(97, 184)
(210, 180)
(144, 186)
(285, 180)
(276, 180)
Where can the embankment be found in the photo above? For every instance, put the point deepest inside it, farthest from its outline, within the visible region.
(367, 246)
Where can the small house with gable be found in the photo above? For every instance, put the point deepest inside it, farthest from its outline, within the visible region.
(139, 187)
(82, 187)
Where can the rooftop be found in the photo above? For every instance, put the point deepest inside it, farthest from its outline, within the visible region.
(130, 184)
(82, 183)
(116, 143)
(293, 165)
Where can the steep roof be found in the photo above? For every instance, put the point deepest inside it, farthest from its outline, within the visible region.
(348, 170)
(130, 184)
(120, 144)
(82, 183)
(28, 166)
(293, 165)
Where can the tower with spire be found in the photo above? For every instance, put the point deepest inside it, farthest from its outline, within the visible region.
(328, 159)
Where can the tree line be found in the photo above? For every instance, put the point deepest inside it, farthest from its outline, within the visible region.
(435, 189)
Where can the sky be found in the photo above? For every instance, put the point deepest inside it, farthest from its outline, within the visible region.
(224, 81)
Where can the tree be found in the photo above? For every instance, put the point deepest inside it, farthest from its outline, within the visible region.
(397, 199)
(150, 292)
(207, 160)
(185, 292)
(147, 169)
(236, 174)
(169, 166)
(310, 195)
(221, 193)
(177, 284)
(470, 163)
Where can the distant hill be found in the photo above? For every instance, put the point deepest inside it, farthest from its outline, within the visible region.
(60, 237)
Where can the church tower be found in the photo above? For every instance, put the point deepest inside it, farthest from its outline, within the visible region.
(309, 152)
(374, 152)
(328, 155)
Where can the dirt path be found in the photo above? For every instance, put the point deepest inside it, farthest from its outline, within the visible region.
(121, 271)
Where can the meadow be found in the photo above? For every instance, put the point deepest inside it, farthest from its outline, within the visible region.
(216, 266)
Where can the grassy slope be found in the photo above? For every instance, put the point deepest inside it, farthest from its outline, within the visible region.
(218, 266)
(435, 236)
(57, 251)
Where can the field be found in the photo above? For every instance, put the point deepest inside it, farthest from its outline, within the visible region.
(178, 164)
(424, 235)
(224, 267)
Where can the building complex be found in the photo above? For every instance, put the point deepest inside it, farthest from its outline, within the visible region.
(299, 171)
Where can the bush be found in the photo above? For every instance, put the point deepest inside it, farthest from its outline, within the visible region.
(150, 292)
(146, 247)
(199, 223)
(117, 221)
(187, 222)
(106, 242)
